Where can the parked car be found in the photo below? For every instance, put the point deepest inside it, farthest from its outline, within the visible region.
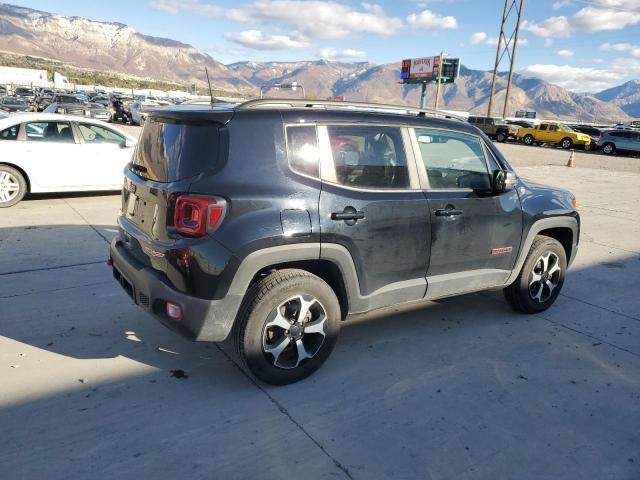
(3, 90)
(230, 228)
(593, 132)
(45, 152)
(14, 104)
(613, 141)
(99, 112)
(25, 92)
(102, 100)
(70, 105)
(495, 128)
(139, 111)
(551, 132)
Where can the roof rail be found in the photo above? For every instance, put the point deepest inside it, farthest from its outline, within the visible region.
(337, 105)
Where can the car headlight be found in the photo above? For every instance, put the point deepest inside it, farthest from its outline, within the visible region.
(87, 113)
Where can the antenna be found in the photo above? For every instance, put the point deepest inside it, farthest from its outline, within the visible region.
(209, 82)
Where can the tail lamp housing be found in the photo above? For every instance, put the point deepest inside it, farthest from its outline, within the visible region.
(195, 215)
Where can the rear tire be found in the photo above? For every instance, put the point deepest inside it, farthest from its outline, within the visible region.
(609, 148)
(13, 186)
(528, 140)
(272, 341)
(541, 278)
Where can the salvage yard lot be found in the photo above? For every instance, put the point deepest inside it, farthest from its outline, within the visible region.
(460, 388)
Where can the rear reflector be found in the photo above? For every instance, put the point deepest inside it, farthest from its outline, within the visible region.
(174, 311)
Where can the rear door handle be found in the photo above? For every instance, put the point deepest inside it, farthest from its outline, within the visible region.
(347, 215)
(448, 212)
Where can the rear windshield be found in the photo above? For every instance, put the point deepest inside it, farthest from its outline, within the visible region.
(169, 151)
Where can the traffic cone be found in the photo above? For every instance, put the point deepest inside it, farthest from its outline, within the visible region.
(570, 162)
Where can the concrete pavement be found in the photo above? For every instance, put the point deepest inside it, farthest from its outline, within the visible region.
(462, 388)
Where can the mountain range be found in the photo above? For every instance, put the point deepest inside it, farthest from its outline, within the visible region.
(117, 47)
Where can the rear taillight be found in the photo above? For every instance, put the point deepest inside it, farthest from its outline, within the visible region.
(195, 216)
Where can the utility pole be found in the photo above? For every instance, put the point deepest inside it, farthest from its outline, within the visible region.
(423, 96)
(438, 81)
(512, 8)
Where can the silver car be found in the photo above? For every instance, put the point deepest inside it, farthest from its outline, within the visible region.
(613, 141)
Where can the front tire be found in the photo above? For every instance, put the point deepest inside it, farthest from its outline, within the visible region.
(566, 143)
(609, 148)
(287, 326)
(13, 186)
(501, 137)
(541, 278)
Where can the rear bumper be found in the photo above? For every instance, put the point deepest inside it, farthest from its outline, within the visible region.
(203, 320)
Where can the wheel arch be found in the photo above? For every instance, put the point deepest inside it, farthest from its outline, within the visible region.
(564, 229)
(22, 172)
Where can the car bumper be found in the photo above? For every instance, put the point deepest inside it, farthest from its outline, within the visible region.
(202, 320)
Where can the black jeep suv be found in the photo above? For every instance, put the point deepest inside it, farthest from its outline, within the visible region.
(272, 221)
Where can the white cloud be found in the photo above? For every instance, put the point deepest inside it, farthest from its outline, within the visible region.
(621, 47)
(551, 27)
(597, 15)
(548, 42)
(319, 19)
(194, 6)
(259, 40)
(477, 37)
(565, 53)
(431, 21)
(315, 19)
(344, 54)
(586, 79)
(561, 4)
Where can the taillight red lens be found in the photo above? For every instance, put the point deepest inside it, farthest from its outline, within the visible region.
(194, 216)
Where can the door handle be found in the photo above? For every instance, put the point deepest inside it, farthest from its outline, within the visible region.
(347, 215)
(450, 212)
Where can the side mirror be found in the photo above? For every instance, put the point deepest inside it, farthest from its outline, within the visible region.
(128, 144)
(504, 181)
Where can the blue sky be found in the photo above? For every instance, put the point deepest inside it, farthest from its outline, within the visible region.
(584, 45)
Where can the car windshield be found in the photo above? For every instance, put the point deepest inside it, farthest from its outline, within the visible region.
(567, 128)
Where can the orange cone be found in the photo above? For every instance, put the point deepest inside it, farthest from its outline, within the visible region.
(570, 162)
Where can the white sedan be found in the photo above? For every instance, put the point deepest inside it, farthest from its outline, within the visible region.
(46, 152)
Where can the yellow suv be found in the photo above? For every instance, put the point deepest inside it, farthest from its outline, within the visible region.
(549, 132)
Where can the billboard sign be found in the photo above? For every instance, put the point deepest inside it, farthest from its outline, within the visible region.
(424, 68)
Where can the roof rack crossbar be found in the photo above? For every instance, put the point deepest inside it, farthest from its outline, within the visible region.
(338, 105)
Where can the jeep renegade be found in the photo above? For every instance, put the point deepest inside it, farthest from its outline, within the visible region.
(271, 222)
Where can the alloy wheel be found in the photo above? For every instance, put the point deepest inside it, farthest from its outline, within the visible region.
(295, 331)
(9, 187)
(545, 277)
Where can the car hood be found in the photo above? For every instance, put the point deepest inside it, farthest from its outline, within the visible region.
(558, 197)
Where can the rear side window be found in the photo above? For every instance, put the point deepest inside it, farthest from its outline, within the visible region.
(55, 132)
(302, 150)
(369, 157)
(97, 134)
(10, 133)
(453, 160)
(170, 150)
(543, 127)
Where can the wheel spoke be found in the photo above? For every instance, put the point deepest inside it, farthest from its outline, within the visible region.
(4, 176)
(279, 321)
(538, 296)
(4, 197)
(555, 268)
(535, 277)
(304, 308)
(317, 326)
(302, 352)
(550, 285)
(277, 350)
(545, 262)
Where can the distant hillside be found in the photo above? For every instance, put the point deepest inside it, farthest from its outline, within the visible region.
(109, 46)
(626, 96)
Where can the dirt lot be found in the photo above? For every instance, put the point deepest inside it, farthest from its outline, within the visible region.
(462, 388)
